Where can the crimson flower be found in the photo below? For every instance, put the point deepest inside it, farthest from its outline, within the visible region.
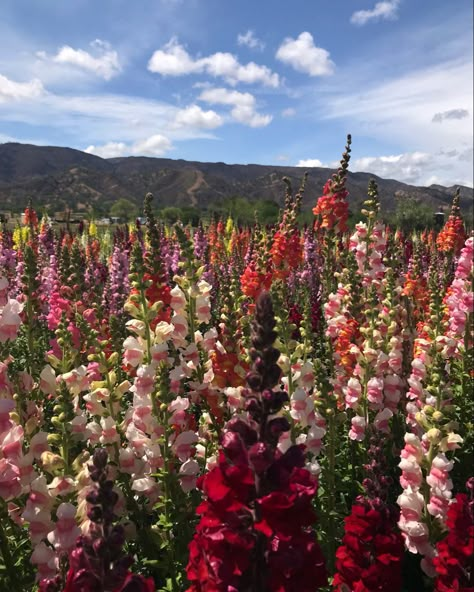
(453, 563)
(255, 532)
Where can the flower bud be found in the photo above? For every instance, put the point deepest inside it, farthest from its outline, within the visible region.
(54, 439)
(52, 462)
(56, 422)
(434, 436)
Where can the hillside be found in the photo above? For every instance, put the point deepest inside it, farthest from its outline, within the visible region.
(59, 178)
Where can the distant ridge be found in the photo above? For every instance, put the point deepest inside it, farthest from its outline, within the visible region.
(57, 178)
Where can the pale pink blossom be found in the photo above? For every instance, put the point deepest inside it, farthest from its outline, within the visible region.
(178, 409)
(128, 462)
(60, 486)
(144, 381)
(357, 431)
(136, 326)
(39, 522)
(48, 380)
(109, 431)
(163, 332)
(183, 446)
(148, 487)
(154, 458)
(411, 474)
(203, 309)
(381, 420)
(64, 536)
(439, 473)
(45, 560)
(178, 299)
(302, 407)
(188, 473)
(180, 330)
(11, 442)
(159, 353)
(133, 352)
(314, 438)
(375, 392)
(352, 392)
(10, 320)
(411, 504)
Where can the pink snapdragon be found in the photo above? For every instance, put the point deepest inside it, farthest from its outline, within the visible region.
(10, 320)
(63, 537)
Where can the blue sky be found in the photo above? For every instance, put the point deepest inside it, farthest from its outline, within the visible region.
(262, 81)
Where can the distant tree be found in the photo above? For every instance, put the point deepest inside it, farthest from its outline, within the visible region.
(124, 209)
(411, 214)
(190, 215)
(171, 214)
(267, 211)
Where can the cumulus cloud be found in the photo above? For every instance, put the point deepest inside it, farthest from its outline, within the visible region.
(194, 116)
(109, 150)
(451, 114)
(174, 60)
(408, 167)
(416, 168)
(310, 163)
(387, 10)
(304, 56)
(104, 64)
(243, 105)
(156, 145)
(17, 91)
(250, 40)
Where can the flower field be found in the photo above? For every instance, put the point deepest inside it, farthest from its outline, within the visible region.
(227, 409)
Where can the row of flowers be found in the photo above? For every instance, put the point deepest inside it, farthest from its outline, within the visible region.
(237, 409)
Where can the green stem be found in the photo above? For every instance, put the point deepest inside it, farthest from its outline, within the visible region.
(331, 492)
(144, 304)
(6, 554)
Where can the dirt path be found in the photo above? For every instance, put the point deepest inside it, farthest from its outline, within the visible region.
(195, 186)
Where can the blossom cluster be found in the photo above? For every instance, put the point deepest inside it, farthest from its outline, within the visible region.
(213, 402)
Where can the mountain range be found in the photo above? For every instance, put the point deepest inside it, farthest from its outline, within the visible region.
(60, 178)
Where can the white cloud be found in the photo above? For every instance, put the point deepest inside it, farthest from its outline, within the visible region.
(304, 56)
(408, 167)
(289, 112)
(174, 60)
(194, 116)
(387, 10)
(105, 118)
(402, 108)
(105, 64)
(310, 163)
(416, 168)
(243, 105)
(283, 158)
(250, 40)
(451, 114)
(17, 91)
(156, 145)
(109, 150)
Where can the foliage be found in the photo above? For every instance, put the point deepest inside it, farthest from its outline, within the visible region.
(224, 402)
